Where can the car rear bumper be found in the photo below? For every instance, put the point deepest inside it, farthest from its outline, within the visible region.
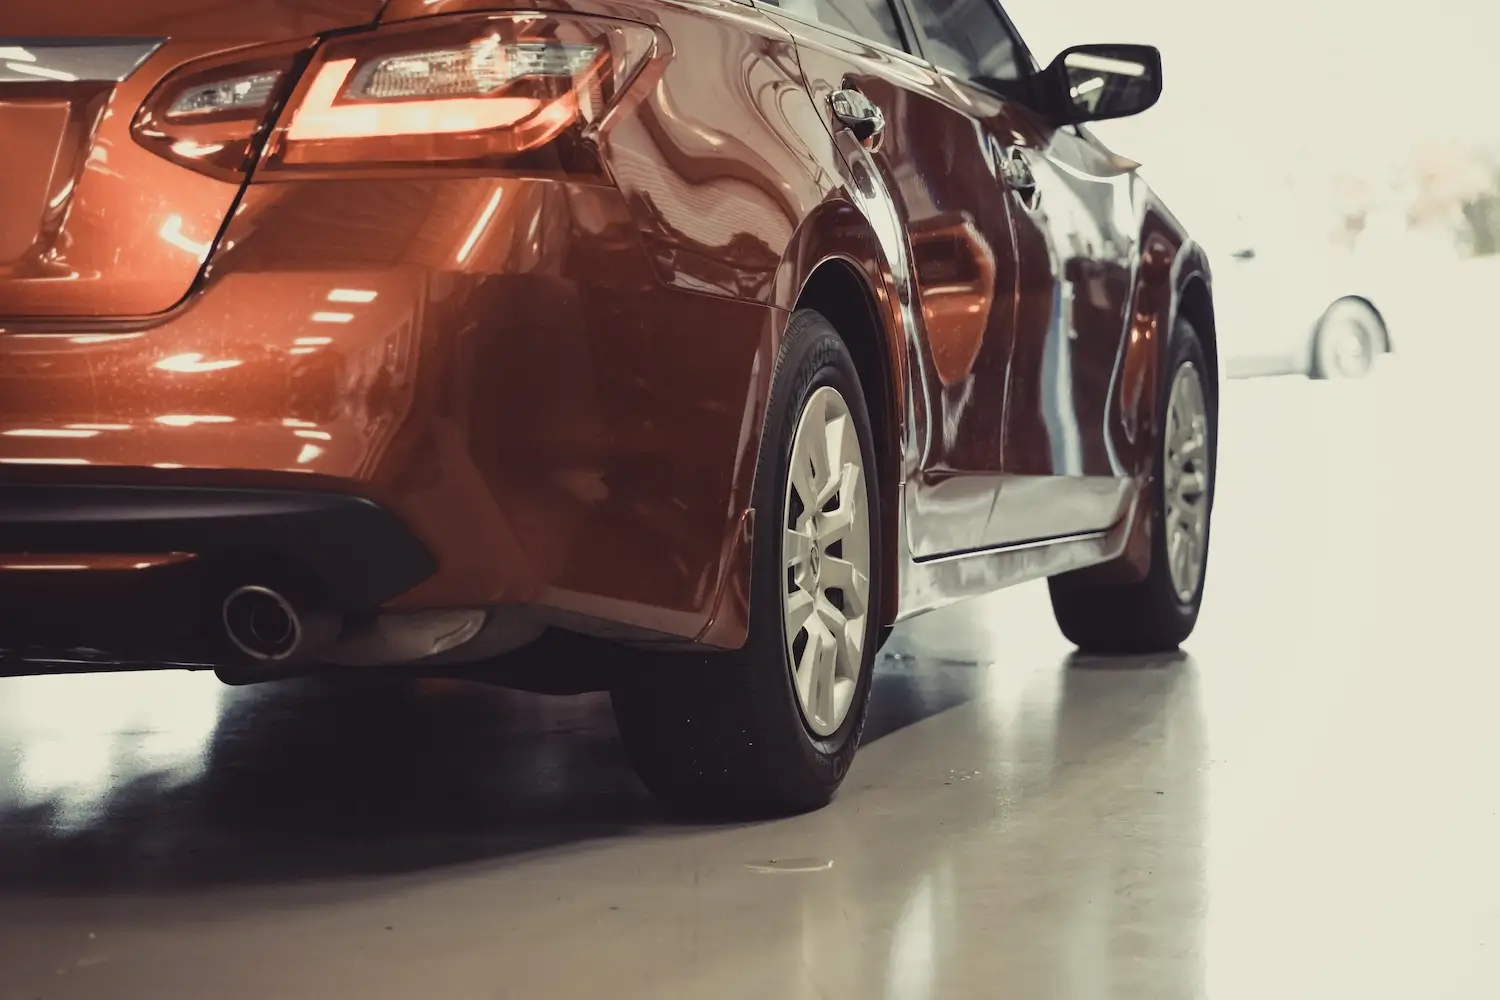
(140, 572)
(488, 372)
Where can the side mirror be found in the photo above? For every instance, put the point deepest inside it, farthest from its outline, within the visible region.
(1091, 83)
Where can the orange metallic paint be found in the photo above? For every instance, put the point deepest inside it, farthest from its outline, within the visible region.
(124, 231)
(511, 382)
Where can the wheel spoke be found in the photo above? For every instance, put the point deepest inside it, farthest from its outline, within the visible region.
(1192, 484)
(809, 470)
(826, 667)
(850, 641)
(851, 580)
(800, 606)
(814, 441)
(806, 674)
(835, 525)
(831, 479)
(1192, 448)
(797, 547)
(1174, 548)
(832, 618)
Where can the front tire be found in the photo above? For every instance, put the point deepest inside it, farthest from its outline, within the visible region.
(1159, 612)
(772, 728)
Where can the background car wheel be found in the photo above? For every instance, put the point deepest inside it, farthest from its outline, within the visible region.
(772, 728)
(1349, 337)
(1159, 612)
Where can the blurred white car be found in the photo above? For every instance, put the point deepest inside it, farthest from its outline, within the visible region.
(1285, 306)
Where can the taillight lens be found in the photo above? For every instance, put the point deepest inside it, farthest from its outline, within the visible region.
(212, 117)
(464, 91)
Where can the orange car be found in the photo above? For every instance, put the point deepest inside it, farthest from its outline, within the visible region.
(373, 333)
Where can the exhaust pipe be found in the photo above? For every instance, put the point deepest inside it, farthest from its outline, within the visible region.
(267, 627)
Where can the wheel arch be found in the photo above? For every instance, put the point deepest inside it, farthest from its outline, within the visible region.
(1195, 304)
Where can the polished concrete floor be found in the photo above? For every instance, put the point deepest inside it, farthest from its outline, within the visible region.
(1303, 804)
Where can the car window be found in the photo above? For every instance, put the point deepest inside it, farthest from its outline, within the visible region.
(872, 19)
(971, 38)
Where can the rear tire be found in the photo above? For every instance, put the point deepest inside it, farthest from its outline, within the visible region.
(1159, 612)
(772, 728)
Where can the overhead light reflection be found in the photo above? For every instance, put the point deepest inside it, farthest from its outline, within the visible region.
(194, 150)
(51, 432)
(308, 453)
(171, 232)
(361, 295)
(480, 225)
(332, 317)
(1104, 64)
(312, 341)
(44, 461)
(99, 427)
(189, 419)
(315, 435)
(102, 338)
(62, 196)
(192, 363)
(43, 72)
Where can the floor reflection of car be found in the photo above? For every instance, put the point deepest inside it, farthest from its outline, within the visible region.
(718, 339)
(1289, 308)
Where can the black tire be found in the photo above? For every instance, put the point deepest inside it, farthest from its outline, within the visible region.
(1349, 337)
(1147, 616)
(724, 733)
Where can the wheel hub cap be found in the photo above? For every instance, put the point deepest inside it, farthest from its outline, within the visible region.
(1187, 482)
(826, 555)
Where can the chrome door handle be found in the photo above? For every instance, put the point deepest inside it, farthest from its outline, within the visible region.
(1018, 175)
(859, 114)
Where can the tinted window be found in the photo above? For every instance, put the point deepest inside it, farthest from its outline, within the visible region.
(872, 19)
(970, 38)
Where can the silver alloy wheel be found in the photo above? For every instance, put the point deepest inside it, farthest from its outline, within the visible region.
(1186, 486)
(826, 557)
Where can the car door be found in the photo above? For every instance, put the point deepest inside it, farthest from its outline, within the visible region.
(1075, 225)
(934, 164)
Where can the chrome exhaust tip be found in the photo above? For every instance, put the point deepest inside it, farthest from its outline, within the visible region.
(263, 624)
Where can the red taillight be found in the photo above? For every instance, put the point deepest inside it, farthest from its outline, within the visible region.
(211, 117)
(482, 91)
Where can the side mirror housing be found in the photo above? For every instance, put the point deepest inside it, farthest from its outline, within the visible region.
(1091, 83)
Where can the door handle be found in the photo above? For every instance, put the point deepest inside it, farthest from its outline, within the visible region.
(1017, 172)
(860, 115)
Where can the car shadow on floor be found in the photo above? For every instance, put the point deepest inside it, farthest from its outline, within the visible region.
(310, 780)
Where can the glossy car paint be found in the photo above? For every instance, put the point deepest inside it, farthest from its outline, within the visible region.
(116, 230)
(558, 383)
